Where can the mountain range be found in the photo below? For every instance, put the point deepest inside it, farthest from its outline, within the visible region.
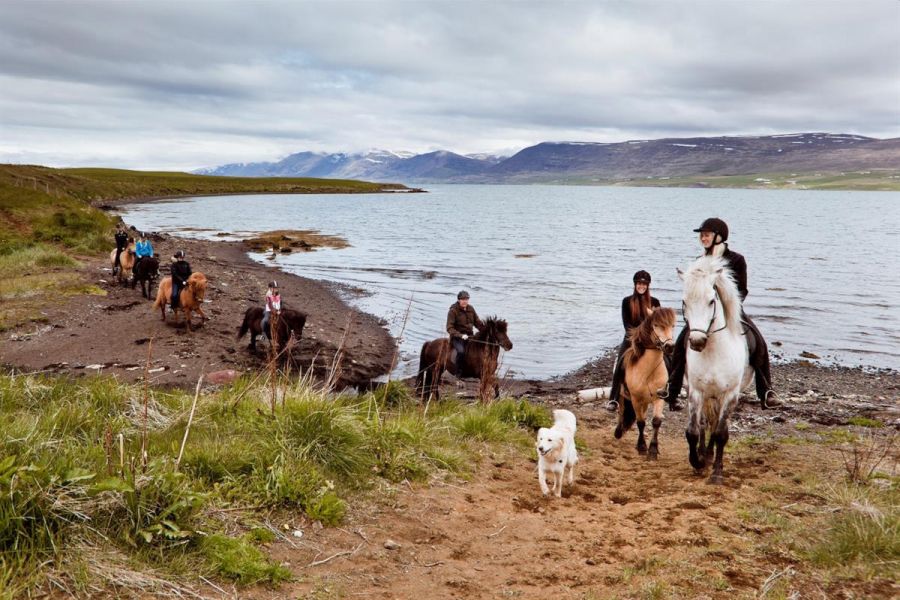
(567, 162)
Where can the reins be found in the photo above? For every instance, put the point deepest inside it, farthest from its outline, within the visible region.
(707, 331)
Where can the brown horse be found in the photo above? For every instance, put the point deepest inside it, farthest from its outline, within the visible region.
(480, 360)
(126, 259)
(288, 323)
(645, 372)
(190, 298)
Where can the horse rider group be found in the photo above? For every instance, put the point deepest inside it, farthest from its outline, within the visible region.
(635, 308)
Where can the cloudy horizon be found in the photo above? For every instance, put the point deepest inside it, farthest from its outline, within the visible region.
(182, 85)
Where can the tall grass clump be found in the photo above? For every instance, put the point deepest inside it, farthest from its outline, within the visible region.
(72, 474)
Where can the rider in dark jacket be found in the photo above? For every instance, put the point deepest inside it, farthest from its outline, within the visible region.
(180, 271)
(713, 235)
(121, 243)
(635, 308)
(461, 319)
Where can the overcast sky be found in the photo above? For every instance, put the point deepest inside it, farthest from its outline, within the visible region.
(185, 84)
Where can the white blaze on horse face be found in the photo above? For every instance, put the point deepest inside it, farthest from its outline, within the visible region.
(700, 311)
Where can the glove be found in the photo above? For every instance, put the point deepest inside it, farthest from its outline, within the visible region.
(465, 337)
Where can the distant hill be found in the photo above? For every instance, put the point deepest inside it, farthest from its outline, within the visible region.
(584, 162)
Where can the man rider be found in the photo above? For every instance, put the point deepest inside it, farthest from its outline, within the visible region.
(713, 235)
(121, 243)
(180, 271)
(460, 322)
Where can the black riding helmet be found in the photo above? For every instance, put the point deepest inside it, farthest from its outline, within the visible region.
(463, 295)
(715, 225)
(642, 276)
(179, 254)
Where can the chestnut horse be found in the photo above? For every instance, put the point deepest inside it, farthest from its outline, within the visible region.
(288, 323)
(126, 259)
(190, 298)
(645, 372)
(480, 361)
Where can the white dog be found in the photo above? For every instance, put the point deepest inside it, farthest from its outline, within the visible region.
(556, 452)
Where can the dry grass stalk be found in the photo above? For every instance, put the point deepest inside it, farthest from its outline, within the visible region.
(863, 457)
(190, 420)
(146, 400)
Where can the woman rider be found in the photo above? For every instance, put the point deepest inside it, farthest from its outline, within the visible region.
(635, 308)
(713, 235)
(461, 319)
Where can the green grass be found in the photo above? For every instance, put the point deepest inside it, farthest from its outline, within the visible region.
(48, 217)
(865, 422)
(65, 478)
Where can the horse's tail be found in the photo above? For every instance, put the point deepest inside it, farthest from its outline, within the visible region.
(422, 375)
(628, 415)
(245, 326)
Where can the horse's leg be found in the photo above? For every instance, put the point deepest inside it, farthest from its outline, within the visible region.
(721, 437)
(187, 318)
(657, 423)
(641, 410)
(202, 314)
(694, 433)
(620, 411)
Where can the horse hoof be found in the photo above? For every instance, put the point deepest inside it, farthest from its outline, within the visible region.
(715, 479)
(653, 454)
(642, 449)
(618, 432)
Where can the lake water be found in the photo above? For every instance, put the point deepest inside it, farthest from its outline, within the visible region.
(555, 261)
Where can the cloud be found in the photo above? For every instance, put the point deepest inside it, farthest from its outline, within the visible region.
(181, 85)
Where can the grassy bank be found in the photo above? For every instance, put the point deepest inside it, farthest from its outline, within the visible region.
(48, 218)
(81, 502)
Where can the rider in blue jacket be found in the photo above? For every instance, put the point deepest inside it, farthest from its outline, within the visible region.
(143, 249)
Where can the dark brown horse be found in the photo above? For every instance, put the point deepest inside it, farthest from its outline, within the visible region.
(480, 361)
(289, 323)
(146, 271)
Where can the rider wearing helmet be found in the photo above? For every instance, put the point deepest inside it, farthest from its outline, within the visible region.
(121, 238)
(143, 249)
(180, 271)
(273, 305)
(460, 322)
(635, 308)
(713, 235)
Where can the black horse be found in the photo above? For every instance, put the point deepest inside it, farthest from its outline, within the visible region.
(482, 352)
(146, 271)
(289, 323)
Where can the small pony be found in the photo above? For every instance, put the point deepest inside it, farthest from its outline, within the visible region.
(126, 260)
(482, 352)
(145, 271)
(646, 372)
(189, 299)
(290, 323)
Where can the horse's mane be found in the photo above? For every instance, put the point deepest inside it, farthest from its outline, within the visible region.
(642, 336)
(714, 271)
(492, 325)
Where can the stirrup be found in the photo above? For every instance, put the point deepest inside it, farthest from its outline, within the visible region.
(771, 400)
(612, 405)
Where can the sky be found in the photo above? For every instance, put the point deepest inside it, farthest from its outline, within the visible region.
(194, 83)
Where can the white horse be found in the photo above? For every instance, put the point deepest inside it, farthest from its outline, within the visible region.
(717, 358)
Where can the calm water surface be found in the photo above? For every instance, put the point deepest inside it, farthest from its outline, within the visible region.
(555, 261)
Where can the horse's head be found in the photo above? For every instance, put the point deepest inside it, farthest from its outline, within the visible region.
(662, 323)
(494, 332)
(708, 300)
(197, 284)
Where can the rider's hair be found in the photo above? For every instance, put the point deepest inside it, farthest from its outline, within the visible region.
(639, 304)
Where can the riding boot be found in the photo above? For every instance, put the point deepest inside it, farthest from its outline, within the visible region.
(759, 360)
(618, 378)
(678, 361)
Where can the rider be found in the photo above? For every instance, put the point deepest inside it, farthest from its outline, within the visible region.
(273, 304)
(635, 308)
(141, 250)
(713, 235)
(460, 322)
(121, 243)
(181, 270)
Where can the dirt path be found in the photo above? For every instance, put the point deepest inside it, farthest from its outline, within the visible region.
(628, 528)
(110, 333)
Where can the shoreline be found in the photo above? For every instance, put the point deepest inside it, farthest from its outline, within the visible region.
(111, 205)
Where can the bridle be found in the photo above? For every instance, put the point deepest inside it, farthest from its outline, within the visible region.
(659, 342)
(712, 320)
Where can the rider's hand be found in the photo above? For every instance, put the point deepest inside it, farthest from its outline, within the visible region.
(465, 337)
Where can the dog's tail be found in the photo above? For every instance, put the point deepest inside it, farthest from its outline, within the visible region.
(628, 415)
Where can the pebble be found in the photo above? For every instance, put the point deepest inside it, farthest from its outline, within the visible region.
(297, 533)
(391, 545)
